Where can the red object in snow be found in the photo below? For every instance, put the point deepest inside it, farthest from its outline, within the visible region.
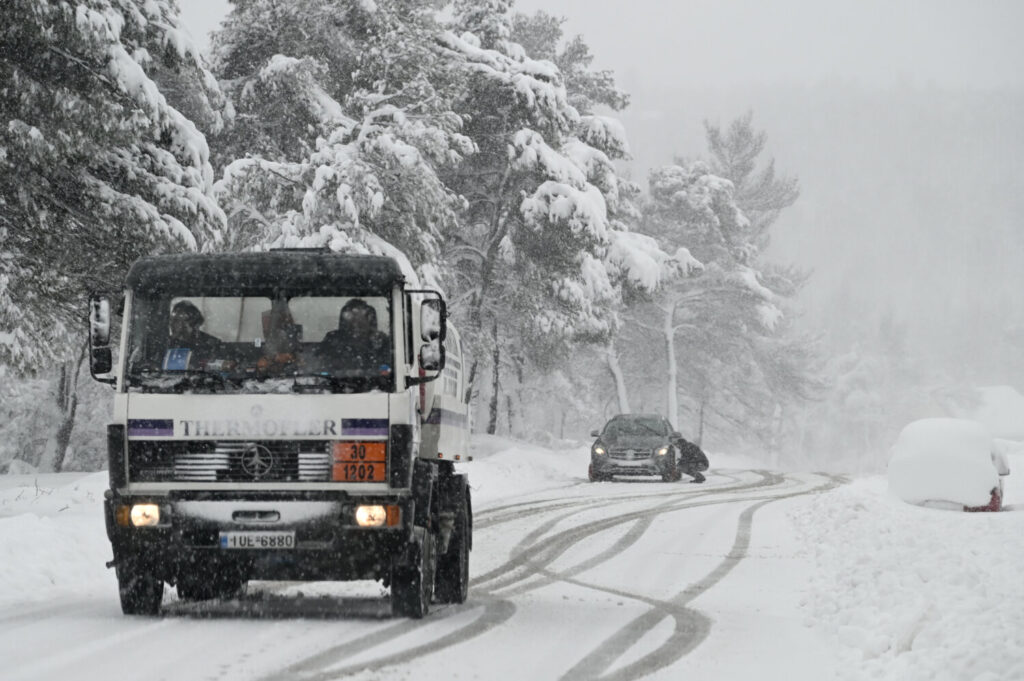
(995, 504)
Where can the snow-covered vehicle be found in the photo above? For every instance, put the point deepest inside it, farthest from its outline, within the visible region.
(634, 444)
(301, 433)
(948, 463)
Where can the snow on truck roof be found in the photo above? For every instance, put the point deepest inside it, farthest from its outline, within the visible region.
(262, 273)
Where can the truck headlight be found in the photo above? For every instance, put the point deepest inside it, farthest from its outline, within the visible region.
(377, 515)
(599, 451)
(661, 451)
(145, 515)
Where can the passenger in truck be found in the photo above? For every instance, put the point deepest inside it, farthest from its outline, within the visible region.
(357, 343)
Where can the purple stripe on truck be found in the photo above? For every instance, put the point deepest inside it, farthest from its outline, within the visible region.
(150, 428)
(369, 427)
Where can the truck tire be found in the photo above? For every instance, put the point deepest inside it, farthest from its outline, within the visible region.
(452, 583)
(412, 585)
(141, 592)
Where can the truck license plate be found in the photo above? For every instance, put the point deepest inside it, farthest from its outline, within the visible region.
(257, 540)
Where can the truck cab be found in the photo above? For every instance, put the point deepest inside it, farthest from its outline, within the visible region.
(283, 415)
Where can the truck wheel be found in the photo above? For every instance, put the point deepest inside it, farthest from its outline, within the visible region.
(140, 591)
(594, 476)
(412, 586)
(452, 584)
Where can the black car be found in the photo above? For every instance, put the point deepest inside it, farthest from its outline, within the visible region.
(635, 444)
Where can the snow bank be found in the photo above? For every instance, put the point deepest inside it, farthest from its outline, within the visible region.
(503, 468)
(53, 542)
(943, 459)
(907, 594)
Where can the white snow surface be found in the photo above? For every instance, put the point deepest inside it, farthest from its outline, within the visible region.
(909, 593)
(944, 460)
(849, 584)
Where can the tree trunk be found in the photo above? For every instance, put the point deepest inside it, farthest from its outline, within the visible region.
(510, 414)
(672, 372)
(776, 431)
(700, 424)
(620, 383)
(492, 425)
(470, 380)
(66, 396)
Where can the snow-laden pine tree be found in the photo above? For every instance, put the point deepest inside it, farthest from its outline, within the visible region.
(96, 168)
(342, 124)
(731, 350)
(544, 246)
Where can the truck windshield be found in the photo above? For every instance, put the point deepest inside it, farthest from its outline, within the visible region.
(260, 344)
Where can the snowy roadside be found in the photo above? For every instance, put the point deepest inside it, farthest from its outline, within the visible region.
(893, 591)
(53, 544)
(909, 593)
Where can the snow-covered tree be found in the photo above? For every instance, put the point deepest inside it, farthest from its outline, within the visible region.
(96, 168)
(758, 192)
(342, 123)
(544, 246)
(733, 354)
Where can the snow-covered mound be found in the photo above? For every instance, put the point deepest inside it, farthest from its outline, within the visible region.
(943, 460)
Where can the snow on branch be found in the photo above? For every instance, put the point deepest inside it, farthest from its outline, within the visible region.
(639, 258)
(582, 211)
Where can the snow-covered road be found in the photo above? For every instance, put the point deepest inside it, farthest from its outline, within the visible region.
(571, 580)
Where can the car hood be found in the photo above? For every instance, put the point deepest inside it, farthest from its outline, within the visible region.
(635, 441)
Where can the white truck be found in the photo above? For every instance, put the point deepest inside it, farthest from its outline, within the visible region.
(278, 415)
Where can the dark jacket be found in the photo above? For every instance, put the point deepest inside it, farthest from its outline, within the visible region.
(691, 457)
(340, 350)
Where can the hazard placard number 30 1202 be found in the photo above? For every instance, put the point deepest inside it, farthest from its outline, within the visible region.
(360, 462)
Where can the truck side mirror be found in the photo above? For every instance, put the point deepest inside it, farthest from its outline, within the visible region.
(101, 360)
(595, 433)
(433, 319)
(99, 321)
(432, 355)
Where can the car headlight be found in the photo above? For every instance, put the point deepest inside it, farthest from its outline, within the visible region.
(599, 450)
(661, 451)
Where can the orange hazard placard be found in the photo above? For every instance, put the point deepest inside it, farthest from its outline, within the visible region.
(360, 462)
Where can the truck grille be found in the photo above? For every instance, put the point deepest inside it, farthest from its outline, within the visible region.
(230, 461)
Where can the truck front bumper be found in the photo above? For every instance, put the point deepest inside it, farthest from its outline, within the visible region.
(328, 542)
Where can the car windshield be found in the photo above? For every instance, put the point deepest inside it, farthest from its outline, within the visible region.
(260, 344)
(638, 426)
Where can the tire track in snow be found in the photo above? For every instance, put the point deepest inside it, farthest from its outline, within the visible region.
(534, 559)
(691, 626)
